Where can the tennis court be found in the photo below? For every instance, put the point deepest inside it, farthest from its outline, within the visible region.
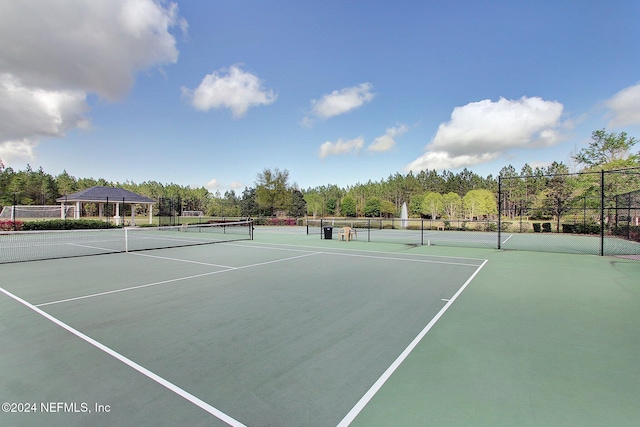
(290, 330)
(609, 245)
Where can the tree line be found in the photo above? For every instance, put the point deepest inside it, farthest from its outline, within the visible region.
(427, 193)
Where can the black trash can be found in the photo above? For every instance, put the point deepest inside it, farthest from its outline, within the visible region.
(328, 233)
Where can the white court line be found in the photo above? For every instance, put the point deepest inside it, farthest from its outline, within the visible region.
(391, 369)
(168, 281)
(144, 371)
(182, 260)
(341, 251)
(95, 247)
(507, 239)
(428, 261)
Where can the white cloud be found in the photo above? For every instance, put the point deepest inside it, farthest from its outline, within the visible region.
(341, 101)
(341, 147)
(625, 107)
(387, 141)
(95, 46)
(483, 131)
(18, 151)
(28, 114)
(236, 185)
(442, 160)
(233, 89)
(56, 52)
(213, 184)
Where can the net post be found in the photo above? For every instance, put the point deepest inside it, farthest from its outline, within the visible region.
(126, 240)
(421, 231)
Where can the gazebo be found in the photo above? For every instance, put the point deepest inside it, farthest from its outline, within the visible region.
(104, 196)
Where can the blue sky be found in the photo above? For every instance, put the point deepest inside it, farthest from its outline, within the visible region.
(209, 93)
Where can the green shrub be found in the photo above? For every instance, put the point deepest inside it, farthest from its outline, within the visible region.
(505, 225)
(546, 227)
(568, 228)
(590, 228)
(632, 232)
(537, 227)
(61, 224)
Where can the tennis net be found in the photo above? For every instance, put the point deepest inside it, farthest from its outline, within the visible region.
(17, 246)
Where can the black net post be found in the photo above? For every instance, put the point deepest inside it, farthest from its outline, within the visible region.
(629, 218)
(499, 210)
(602, 212)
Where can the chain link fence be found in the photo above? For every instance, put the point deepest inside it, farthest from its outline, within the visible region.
(588, 212)
(594, 213)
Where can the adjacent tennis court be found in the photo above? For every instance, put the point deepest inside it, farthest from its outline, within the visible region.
(291, 330)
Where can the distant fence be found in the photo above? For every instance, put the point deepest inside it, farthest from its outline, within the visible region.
(590, 213)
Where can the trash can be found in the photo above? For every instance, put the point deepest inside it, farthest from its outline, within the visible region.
(328, 233)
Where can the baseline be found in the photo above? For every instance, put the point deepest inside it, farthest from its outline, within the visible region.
(347, 251)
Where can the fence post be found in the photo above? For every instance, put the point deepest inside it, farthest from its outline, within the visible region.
(13, 212)
(499, 210)
(602, 212)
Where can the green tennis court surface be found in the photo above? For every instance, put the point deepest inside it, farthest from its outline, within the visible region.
(291, 330)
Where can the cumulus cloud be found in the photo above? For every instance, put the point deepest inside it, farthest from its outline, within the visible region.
(27, 114)
(56, 52)
(216, 185)
(21, 151)
(341, 147)
(483, 131)
(340, 102)
(236, 185)
(213, 184)
(229, 88)
(387, 141)
(95, 46)
(625, 107)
